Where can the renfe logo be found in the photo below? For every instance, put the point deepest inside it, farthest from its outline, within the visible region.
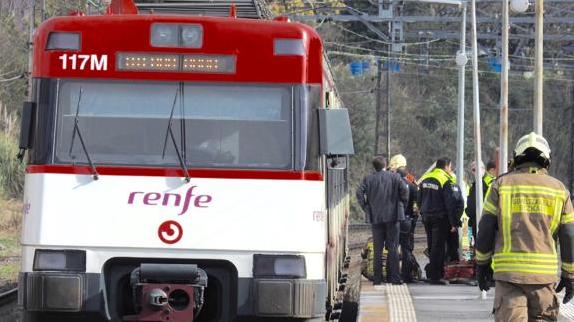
(170, 199)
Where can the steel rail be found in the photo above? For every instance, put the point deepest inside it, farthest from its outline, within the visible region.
(8, 297)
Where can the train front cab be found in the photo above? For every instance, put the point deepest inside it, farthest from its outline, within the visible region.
(128, 214)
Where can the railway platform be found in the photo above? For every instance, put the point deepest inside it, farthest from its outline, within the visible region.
(422, 302)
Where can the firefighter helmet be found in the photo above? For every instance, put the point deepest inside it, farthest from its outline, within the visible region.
(534, 148)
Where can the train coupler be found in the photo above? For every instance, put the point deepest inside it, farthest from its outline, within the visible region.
(167, 292)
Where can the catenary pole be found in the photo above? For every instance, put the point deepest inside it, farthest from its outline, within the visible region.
(32, 26)
(461, 62)
(476, 114)
(539, 69)
(503, 132)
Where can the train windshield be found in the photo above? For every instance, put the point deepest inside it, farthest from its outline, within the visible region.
(149, 123)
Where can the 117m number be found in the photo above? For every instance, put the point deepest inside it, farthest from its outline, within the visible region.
(84, 62)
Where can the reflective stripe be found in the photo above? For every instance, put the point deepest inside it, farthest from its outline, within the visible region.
(506, 220)
(525, 263)
(526, 256)
(569, 267)
(567, 218)
(483, 257)
(489, 207)
(525, 269)
(534, 189)
(556, 218)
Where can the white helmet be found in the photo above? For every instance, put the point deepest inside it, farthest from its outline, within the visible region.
(397, 161)
(533, 141)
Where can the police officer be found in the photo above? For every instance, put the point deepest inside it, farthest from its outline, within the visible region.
(487, 180)
(437, 207)
(525, 212)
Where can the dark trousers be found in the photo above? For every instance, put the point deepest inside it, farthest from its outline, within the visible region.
(439, 230)
(386, 235)
(412, 234)
(428, 230)
(452, 247)
(406, 250)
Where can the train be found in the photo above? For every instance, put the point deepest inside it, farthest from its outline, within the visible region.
(182, 168)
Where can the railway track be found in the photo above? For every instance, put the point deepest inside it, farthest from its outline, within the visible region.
(9, 297)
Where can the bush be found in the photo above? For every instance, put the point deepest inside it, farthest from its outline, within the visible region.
(11, 169)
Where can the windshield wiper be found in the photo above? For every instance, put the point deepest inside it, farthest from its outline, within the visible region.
(77, 130)
(169, 133)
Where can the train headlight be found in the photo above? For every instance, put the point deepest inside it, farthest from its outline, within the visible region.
(164, 35)
(60, 260)
(191, 36)
(279, 266)
(174, 35)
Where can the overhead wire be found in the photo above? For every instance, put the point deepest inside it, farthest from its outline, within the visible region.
(398, 56)
(453, 68)
(387, 42)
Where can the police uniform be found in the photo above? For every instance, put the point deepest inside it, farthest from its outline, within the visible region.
(524, 213)
(438, 211)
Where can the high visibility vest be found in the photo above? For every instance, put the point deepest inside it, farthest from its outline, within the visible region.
(440, 175)
(488, 179)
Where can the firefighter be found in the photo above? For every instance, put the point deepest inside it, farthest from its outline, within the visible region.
(525, 212)
(437, 207)
(398, 164)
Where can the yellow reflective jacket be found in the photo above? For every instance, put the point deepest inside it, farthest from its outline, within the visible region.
(525, 212)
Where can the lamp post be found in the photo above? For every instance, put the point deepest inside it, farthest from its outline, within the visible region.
(503, 132)
(539, 69)
(476, 113)
(518, 6)
(461, 61)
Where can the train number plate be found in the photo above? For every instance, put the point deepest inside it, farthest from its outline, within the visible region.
(84, 62)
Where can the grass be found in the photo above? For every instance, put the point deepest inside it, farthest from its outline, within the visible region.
(10, 223)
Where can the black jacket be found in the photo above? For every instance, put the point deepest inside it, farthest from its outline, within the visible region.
(413, 193)
(438, 197)
(382, 196)
(471, 200)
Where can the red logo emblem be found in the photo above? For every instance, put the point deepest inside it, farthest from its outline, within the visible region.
(170, 232)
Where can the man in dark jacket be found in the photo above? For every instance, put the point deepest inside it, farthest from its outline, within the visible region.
(438, 209)
(382, 196)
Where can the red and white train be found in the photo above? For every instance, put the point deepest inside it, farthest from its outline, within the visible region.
(182, 168)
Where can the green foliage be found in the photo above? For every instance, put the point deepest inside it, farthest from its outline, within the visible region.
(358, 99)
(11, 170)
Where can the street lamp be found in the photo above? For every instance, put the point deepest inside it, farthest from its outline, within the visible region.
(519, 6)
